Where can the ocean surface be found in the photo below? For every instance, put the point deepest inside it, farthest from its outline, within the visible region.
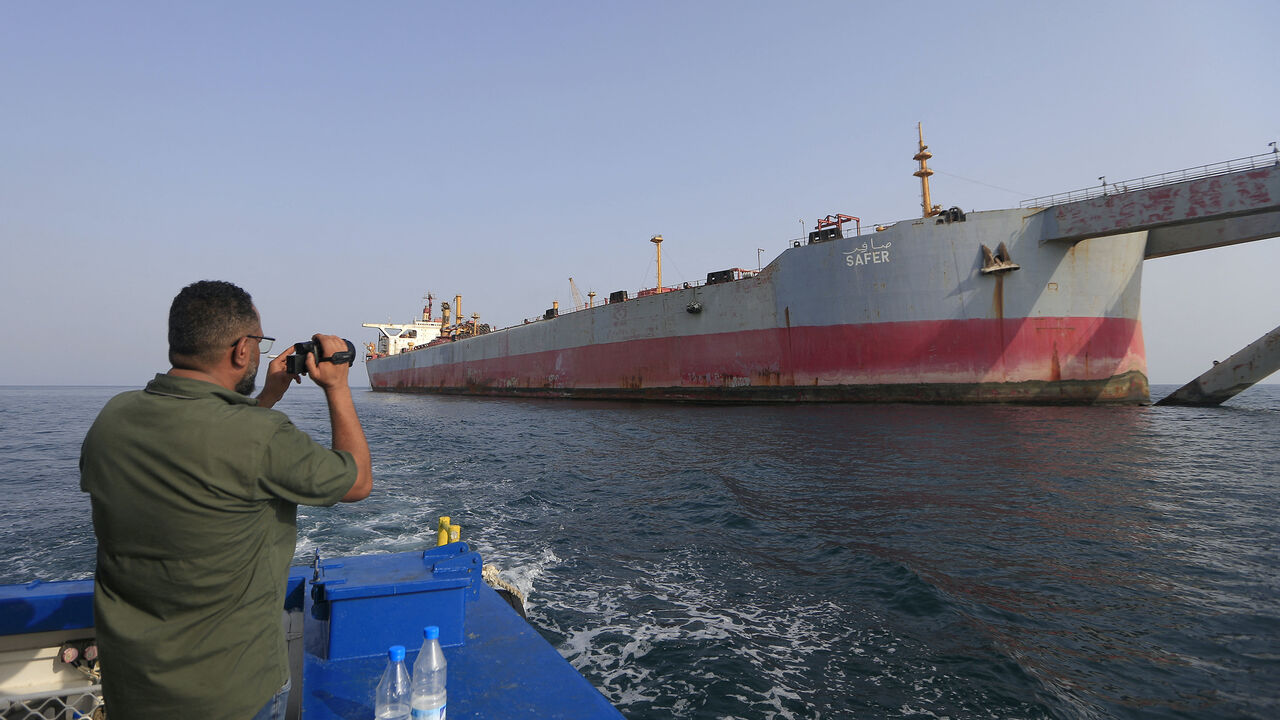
(810, 561)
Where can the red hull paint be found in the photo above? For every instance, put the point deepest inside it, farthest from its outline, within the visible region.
(1077, 359)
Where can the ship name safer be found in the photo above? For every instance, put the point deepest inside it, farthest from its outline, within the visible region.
(868, 254)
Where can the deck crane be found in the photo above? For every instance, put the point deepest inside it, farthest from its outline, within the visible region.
(838, 220)
(577, 296)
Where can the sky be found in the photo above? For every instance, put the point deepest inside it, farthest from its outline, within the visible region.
(338, 160)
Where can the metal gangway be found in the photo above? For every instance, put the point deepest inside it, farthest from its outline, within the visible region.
(1199, 208)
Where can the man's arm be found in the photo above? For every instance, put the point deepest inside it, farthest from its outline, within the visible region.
(347, 433)
(277, 380)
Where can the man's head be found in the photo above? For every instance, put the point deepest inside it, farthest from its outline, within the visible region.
(208, 322)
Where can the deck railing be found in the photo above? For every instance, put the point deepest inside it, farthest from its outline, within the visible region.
(746, 273)
(1253, 162)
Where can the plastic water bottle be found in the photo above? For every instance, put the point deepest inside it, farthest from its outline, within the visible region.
(429, 678)
(392, 699)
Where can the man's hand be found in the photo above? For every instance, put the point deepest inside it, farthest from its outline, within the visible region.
(277, 380)
(328, 375)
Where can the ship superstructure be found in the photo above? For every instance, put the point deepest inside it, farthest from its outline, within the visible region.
(394, 338)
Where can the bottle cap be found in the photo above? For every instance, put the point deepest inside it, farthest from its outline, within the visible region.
(431, 632)
(396, 653)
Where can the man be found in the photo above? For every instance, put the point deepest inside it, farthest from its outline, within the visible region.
(195, 488)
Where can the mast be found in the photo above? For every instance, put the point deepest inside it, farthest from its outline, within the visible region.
(923, 173)
(657, 241)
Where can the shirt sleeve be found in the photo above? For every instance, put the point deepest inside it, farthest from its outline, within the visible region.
(302, 471)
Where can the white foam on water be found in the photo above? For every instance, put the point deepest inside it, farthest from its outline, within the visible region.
(524, 575)
(684, 609)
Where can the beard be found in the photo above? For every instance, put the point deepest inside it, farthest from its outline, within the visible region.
(246, 384)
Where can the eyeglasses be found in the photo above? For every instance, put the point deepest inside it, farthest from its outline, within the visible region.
(264, 343)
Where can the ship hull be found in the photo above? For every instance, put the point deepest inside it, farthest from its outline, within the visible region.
(905, 315)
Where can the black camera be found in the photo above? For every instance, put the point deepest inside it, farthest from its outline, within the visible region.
(296, 363)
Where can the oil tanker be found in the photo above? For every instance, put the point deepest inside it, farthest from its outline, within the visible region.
(950, 307)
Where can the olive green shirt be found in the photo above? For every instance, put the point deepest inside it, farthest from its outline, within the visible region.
(195, 492)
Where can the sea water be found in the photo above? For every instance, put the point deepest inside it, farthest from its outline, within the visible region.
(806, 561)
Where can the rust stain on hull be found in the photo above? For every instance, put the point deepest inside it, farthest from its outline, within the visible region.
(1130, 388)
